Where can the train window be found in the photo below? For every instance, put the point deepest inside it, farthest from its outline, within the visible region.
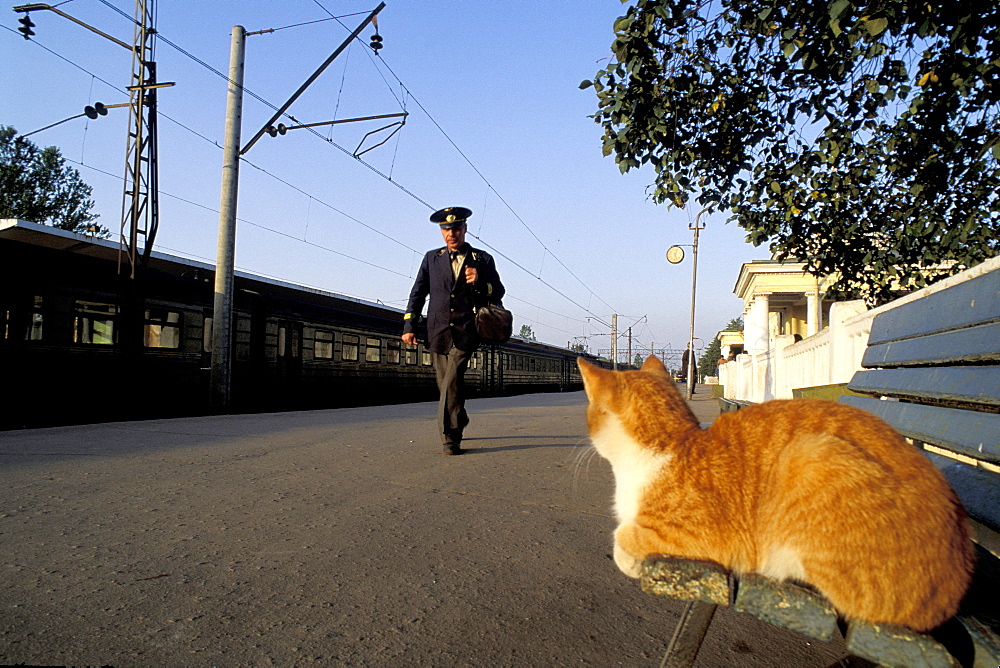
(289, 341)
(324, 345)
(162, 329)
(206, 336)
(32, 328)
(392, 352)
(34, 332)
(425, 359)
(411, 355)
(94, 323)
(349, 349)
(373, 350)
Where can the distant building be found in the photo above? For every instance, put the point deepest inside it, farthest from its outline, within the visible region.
(779, 298)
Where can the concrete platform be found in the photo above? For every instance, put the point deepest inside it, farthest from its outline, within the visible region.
(338, 537)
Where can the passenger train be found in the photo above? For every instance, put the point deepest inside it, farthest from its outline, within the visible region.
(80, 344)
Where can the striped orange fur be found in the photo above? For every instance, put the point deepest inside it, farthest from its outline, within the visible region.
(799, 489)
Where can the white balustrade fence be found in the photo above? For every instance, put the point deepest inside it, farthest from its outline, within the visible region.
(829, 357)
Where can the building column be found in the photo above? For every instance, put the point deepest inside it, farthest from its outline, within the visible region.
(813, 314)
(755, 330)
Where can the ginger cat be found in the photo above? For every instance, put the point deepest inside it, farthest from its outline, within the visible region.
(799, 489)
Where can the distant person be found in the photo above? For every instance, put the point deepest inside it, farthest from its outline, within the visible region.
(457, 278)
(688, 362)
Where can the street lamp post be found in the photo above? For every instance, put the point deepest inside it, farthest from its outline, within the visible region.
(692, 363)
(675, 254)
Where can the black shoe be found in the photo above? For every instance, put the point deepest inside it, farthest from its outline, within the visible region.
(452, 449)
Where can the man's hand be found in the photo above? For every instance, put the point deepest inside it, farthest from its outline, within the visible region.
(471, 275)
(409, 339)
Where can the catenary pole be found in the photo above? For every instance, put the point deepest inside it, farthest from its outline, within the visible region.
(614, 341)
(222, 312)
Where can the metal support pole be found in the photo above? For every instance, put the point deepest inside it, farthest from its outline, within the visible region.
(692, 362)
(314, 76)
(614, 341)
(689, 634)
(222, 312)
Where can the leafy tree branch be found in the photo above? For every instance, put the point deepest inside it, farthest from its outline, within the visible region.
(859, 137)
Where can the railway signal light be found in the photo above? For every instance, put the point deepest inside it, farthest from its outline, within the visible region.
(97, 110)
(26, 26)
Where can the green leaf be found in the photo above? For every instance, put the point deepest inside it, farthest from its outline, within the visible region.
(876, 27)
(837, 8)
(586, 84)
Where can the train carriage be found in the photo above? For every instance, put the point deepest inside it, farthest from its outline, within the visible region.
(79, 344)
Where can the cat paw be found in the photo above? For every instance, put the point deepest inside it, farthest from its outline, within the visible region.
(628, 564)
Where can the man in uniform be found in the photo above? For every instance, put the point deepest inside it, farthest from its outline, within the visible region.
(457, 278)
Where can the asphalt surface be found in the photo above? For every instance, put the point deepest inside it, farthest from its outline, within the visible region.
(338, 537)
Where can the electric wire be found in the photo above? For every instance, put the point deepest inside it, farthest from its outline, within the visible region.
(413, 195)
(389, 178)
(370, 167)
(249, 222)
(481, 175)
(309, 243)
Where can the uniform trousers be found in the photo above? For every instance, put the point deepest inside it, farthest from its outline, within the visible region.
(450, 372)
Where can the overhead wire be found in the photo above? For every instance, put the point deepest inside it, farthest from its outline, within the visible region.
(389, 178)
(249, 222)
(414, 196)
(481, 175)
(407, 93)
(249, 163)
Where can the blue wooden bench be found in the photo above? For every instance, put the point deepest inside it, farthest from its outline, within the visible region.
(932, 371)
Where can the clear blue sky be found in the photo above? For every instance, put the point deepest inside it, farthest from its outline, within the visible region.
(497, 124)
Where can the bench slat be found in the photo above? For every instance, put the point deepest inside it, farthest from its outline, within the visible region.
(970, 303)
(976, 488)
(972, 344)
(788, 605)
(890, 645)
(973, 384)
(971, 433)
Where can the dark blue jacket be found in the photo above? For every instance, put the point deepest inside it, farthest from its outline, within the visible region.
(450, 314)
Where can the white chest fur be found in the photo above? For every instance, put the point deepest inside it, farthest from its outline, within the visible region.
(633, 465)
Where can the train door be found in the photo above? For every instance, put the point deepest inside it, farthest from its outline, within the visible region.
(498, 366)
(289, 353)
(564, 374)
(490, 372)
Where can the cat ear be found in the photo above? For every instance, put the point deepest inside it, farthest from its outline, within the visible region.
(654, 366)
(592, 375)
